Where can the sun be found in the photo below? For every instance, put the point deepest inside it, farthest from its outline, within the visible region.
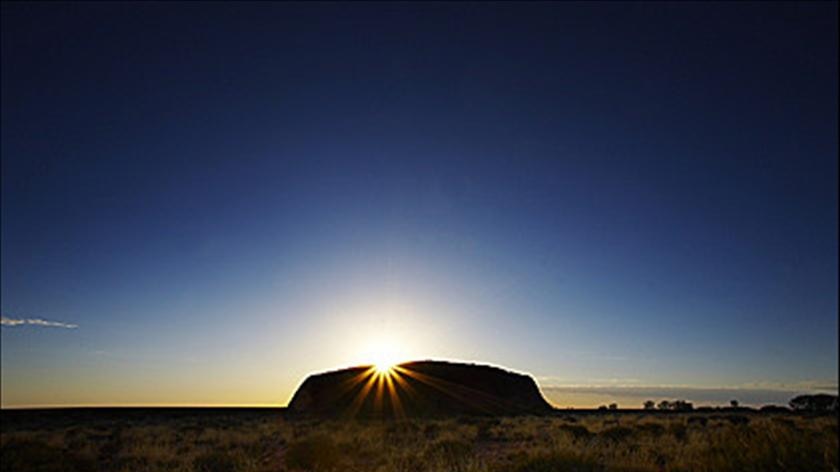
(384, 356)
(384, 367)
(384, 361)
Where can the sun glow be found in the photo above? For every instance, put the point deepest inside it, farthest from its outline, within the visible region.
(384, 367)
(384, 356)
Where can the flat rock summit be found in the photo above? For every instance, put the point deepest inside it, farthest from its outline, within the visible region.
(418, 389)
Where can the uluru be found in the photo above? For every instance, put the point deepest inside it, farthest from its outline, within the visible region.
(418, 389)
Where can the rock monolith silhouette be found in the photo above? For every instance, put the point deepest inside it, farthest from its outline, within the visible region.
(418, 389)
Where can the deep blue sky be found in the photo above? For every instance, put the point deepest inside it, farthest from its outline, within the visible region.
(236, 194)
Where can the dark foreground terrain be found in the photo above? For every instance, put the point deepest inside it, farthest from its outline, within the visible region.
(264, 440)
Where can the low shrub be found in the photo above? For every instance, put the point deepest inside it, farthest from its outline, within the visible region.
(679, 431)
(652, 429)
(738, 419)
(700, 421)
(450, 454)
(554, 462)
(22, 455)
(431, 430)
(578, 432)
(315, 453)
(214, 461)
(616, 433)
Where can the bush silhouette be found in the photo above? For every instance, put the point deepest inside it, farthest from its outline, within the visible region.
(816, 403)
(676, 405)
(774, 409)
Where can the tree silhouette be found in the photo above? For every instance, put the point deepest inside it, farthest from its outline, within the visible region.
(649, 405)
(819, 402)
(733, 403)
(676, 405)
(682, 405)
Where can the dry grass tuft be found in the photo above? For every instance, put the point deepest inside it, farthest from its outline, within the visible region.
(584, 442)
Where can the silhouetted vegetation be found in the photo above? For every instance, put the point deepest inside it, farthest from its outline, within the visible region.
(616, 433)
(653, 429)
(37, 455)
(242, 441)
(676, 405)
(554, 461)
(577, 431)
(814, 403)
(774, 409)
(698, 420)
(317, 452)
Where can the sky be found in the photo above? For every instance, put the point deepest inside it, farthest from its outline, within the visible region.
(204, 203)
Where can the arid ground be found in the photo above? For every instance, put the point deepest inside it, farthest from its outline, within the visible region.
(193, 440)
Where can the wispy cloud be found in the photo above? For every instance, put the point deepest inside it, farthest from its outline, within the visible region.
(4, 321)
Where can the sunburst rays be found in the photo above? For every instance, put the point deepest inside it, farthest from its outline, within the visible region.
(388, 392)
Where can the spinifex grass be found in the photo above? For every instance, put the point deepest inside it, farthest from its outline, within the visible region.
(624, 442)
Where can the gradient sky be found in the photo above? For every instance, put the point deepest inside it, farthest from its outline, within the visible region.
(214, 200)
